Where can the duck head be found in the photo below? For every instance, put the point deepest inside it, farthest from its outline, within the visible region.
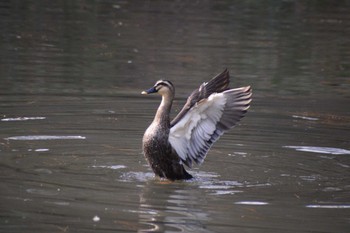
(162, 87)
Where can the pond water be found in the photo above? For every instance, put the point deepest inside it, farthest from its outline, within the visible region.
(72, 117)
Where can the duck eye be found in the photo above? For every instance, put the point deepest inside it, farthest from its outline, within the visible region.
(159, 86)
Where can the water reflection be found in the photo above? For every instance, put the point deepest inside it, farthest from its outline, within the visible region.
(182, 206)
(166, 206)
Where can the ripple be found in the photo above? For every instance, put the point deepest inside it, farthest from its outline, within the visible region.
(44, 137)
(251, 203)
(216, 184)
(306, 118)
(226, 192)
(204, 175)
(44, 192)
(137, 176)
(114, 167)
(59, 203)
(332, 189)
(258, 185)
(43, 171)
(218, 187)
(23, 118)
(343, 165)
(41, 150)
(310, 178)
(323, 150)
(215, 187)
(328, 206)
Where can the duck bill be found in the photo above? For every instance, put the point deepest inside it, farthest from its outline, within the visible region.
(149, 91)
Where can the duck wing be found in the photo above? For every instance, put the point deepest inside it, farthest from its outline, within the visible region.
(219, 83)
(206, 120)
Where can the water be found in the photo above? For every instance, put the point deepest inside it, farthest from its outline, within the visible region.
(72, 116)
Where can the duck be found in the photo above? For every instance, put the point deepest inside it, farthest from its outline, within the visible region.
(210, 111)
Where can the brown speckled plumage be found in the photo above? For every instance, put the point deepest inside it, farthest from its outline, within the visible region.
(156, 146)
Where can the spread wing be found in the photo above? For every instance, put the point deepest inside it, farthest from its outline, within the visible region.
(217, 84)
(206, 119)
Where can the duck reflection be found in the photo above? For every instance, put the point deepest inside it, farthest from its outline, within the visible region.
(172, 207)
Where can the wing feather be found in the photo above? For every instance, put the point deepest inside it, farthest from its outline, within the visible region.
(217, 84)
(205, 121)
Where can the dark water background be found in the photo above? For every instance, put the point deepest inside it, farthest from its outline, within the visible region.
(72, 116)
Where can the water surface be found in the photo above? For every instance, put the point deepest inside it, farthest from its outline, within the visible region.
(72, 116)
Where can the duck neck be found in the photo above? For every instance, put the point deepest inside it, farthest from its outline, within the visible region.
(162, 117)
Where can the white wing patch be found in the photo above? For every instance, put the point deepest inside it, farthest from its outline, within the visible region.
(190, 135)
